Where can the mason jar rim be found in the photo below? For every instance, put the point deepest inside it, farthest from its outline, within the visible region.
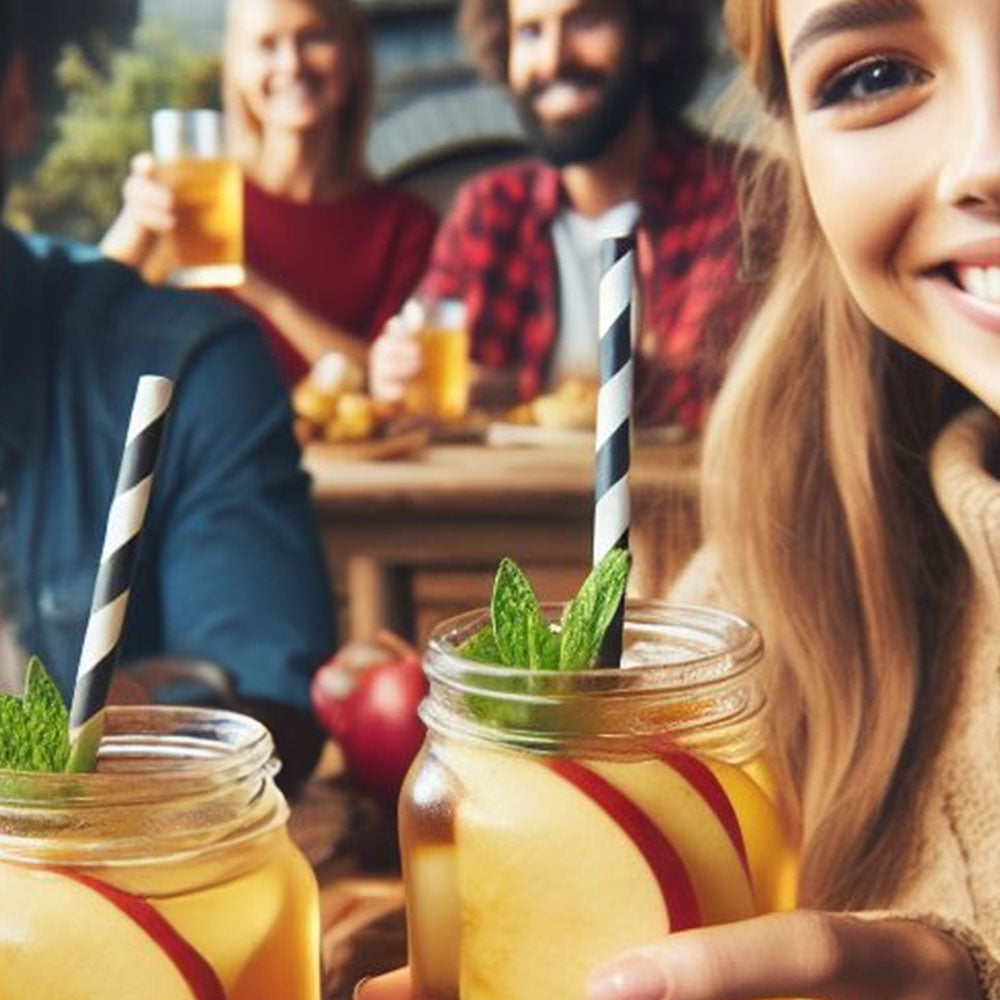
(154, 753)
(742, 648)
(697, 685)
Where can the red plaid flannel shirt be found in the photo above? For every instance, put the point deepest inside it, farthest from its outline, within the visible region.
(494, 250)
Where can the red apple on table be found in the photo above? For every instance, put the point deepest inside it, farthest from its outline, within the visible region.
(367, 697)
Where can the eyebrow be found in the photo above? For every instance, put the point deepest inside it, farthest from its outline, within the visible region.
(851, 15)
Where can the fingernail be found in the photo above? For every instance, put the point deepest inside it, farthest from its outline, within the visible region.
(358, 987)
(633, 979)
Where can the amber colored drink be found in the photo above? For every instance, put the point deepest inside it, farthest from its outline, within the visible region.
(441, 391)
(208, 238)
(167, 874)
(546, 829)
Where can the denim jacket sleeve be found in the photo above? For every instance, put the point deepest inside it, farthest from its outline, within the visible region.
(239, 571)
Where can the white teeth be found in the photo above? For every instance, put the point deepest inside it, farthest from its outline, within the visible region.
(973, 280)
(982, 282)
(559, 98)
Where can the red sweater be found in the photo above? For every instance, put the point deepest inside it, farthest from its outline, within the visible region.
(353, 260)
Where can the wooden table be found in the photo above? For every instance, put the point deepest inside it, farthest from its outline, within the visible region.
(460, 507)
(350, 841)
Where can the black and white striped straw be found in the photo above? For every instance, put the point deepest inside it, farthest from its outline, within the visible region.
(121, 542)
(613, 441)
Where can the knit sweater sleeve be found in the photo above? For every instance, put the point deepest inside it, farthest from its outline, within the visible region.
(985, 960)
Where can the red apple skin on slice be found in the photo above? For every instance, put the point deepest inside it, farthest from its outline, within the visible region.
(679, 809)
(199, 975)
(550, 882)
(702, 778)
(664, 862)
(73, 937)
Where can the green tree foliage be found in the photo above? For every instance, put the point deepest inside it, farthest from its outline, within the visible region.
(75, 189)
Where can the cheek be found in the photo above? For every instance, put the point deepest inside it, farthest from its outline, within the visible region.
(518, 69)
(246, 73)
(602, 49)
(338, 73)
(865, 203)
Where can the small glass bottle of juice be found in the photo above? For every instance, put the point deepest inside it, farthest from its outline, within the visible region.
(168, 873)
(557, 817)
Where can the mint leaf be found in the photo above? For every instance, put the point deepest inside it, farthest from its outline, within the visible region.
(86, 745)
(543, 646)
(518, 625)
(34, 731)
(481, 647)
(589, 614)
(15, 748)
(519, 636)
(47, 719)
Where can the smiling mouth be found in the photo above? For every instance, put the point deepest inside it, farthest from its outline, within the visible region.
(562, 98)
(980, 281)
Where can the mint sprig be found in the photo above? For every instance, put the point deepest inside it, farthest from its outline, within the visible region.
(519, 636)
(589, 614)
(34, 730)
(522, 635)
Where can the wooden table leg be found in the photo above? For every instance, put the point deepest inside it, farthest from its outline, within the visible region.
(380, 595)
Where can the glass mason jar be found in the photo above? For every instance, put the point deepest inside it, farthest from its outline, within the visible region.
(553, 819)
(168, 873)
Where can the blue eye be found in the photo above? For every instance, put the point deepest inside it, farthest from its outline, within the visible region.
(869, 81)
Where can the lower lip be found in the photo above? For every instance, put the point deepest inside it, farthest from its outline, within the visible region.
(983, 314)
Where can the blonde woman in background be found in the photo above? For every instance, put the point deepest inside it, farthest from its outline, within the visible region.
(853, 509)
(332, 253)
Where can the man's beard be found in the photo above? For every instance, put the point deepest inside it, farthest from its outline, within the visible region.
(584, 137)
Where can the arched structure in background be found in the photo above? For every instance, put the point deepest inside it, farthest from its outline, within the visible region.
(449, 127)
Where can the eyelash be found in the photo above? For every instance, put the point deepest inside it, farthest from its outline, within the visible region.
(838, 90)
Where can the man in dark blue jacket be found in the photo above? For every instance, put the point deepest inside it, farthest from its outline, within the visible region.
(230, 569)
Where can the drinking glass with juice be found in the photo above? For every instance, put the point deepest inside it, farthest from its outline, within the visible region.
(207, 243)
(168, 873)
(441, 390)
(557, 817)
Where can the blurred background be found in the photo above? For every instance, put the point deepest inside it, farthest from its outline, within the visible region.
(104, 65)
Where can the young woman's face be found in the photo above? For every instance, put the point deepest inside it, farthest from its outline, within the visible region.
(896, 109)
(287, 63)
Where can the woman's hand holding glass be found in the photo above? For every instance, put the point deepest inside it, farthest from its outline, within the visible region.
(147, 215)
(801, 953)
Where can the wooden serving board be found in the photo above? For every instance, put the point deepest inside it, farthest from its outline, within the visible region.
(501, 434)
(374, 449)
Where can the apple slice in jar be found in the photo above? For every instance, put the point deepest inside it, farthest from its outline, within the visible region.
(685, 800)
(770, 851)
(435, 918)
(67, 936)
(557, 871)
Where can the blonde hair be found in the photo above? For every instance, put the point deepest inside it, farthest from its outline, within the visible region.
(817, 498)
(351, 135)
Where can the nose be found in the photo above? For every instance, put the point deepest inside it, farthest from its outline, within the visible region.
(287, 56)
(971, 173)
(549, 51)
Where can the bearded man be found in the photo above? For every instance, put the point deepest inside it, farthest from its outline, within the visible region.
(600, 87)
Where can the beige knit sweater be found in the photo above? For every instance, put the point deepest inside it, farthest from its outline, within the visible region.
(952, 874)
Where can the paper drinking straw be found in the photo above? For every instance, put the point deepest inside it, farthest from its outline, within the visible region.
(121, 542)
(612, 511)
